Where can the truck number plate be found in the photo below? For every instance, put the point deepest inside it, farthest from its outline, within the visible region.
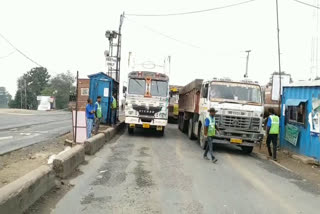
(236, 140)
(145, 125)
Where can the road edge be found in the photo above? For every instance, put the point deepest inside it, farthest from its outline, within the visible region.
(19, 195)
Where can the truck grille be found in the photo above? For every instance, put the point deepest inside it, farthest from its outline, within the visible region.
(234, 122)
(242, 123)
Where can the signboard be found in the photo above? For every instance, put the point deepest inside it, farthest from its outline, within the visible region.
(285, 80)
(292, 134)
(106, 92)
(314, 116)
(111, 62)
(84, 91)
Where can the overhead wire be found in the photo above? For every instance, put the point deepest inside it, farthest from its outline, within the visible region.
(307, 4)
(193, 12)
(164, 35)
(23, 54)
(9, 54)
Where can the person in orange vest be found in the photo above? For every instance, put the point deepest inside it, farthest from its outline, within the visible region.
(273, 129)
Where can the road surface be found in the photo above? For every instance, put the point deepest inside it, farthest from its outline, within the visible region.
(149, 174)
(21, 128)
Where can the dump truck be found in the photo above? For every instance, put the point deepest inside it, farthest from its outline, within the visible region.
(173, 111)
(239, 111)
(146, 104)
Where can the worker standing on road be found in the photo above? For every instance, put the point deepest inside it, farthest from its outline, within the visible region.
(113, 109)
(98, 114)
(273, 130)
(90, 117)
(210, 128)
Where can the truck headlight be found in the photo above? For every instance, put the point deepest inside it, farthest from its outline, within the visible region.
(162, 115)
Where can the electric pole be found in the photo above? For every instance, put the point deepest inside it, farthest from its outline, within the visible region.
(25, 93)
(279, 58)
(247, 64)
(119, 48)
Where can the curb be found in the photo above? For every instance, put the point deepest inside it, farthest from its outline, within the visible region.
(305, 160)
(93, 144)
(18, 196)
(65, 163)
(264, 157)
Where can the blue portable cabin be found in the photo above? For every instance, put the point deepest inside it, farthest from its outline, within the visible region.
(104, 86)
(300, 118)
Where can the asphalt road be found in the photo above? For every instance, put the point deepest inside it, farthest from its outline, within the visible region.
(21, 128)
(149, 174)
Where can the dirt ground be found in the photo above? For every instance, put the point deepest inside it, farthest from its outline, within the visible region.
(309, 172)
(18, 163)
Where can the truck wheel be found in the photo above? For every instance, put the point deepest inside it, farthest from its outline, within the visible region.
(201, 138)
(180, 119)
(130, 130)
(161, 133)
(247, 149)
(190, 129)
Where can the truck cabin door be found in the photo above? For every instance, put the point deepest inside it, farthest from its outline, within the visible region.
(204, 97)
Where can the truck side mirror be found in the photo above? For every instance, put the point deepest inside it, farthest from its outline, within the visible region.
(124, 89)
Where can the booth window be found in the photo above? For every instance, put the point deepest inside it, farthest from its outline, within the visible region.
(297, 114)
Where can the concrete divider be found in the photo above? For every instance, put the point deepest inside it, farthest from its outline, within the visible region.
(19, 195)
(93, 144)
(65, 163)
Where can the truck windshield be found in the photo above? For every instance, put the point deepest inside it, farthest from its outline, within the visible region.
(137, 86)
(235, 92)
(159, 88)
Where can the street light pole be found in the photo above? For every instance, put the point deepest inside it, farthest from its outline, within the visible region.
(279, 53)
(119, 48)
(247, 64)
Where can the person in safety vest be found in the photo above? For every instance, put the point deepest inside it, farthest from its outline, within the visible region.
(210, 129)
(113, 109)
(273, 130)
(98, 114)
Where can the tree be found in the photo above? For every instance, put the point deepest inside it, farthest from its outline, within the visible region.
(30, 86)
(5, 97)
(60, 87)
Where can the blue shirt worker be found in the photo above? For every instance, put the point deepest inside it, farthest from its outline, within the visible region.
(210, 128)
(273, 130)
(90, 117)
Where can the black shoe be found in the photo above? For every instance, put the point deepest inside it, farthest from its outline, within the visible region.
(205, 157)
(275, 159)
(214, 160)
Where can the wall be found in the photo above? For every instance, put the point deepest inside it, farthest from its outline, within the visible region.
(308, 144)
(83, 93)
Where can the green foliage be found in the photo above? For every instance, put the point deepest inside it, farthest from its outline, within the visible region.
(5, 98)
(60, 87)
(30, 86)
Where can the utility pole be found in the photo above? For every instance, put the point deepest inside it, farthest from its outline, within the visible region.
(119, 48)
(21, 94)
(279, 53)
(247, 64)
(25, 93)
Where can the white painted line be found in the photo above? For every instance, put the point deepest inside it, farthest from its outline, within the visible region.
(20, 114)
(280, 165)
(6, 138)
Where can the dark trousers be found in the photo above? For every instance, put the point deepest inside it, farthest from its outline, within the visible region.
(209, 148)
(272, 138)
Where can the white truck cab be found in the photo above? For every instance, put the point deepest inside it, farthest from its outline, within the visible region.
(146, 104)
(239, 112)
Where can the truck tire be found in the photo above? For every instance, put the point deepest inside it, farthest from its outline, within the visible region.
(247, 149)
(130, 130)
(201, 138)
(190, 129)
(180, 125)
(161, 133)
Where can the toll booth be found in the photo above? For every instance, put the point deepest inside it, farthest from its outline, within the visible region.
(104, 86)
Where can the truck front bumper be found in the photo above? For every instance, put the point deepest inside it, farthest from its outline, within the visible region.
(238, 138)
(139, 123)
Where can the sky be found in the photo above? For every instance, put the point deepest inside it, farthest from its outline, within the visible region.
(70, 35)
